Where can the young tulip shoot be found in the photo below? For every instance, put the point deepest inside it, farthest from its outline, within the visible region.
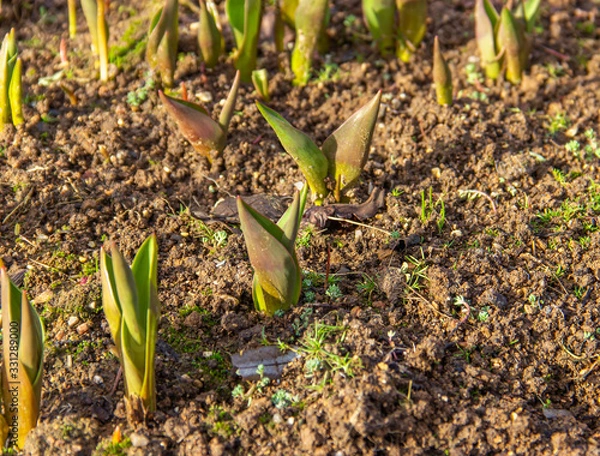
(510, 41)
(342, 156)
(412, 25)
(380, 18)
(102, 41)
(11, 91)
(310, 22)
(94, 12)
(277, 280)
(244, 17)
(72, 11)
(161, 50)
(131, 307)
(210, 38)
(207, 136)
(486, 20)
(260, 80)
(22, 370)
(442, 78)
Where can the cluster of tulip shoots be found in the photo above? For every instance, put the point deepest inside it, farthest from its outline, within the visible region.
(11, 91)
(23, 361)
(131, 306)
(95, 16)
(504, 39)
(398, 25)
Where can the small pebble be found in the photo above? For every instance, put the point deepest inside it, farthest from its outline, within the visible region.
(139, 440)
(277, 419)
(72, 321)
(98, 380)
(83, 328)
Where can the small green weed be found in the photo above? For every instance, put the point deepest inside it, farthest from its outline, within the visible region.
(558, 122)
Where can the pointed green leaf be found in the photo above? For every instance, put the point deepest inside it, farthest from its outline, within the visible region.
(161, 50)
(310, 22)
(235, 14)
(133, 359)
(15, 94)
(210, 38)
(31, 339)
(229, 106)
(6, 54)
(510, 43)
(412, 25)
(260, 80)
(532, 11)
(90, 12)
(110, 299)
(310, 159)
(291, 218)
(245, 56)
(442, 78)
(278, 276)
(347, 148)
(486, 19)
(380, 17)
(133, 318)
(195, 125)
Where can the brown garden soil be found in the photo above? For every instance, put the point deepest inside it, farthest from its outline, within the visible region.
(479, 336)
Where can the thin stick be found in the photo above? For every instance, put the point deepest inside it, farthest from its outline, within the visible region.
(339, 219)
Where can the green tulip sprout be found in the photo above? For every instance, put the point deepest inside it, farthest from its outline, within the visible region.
(380, 18)
(23, 367)
(11, 90)
(96, 19)
(244, 17)
(260, 80)
(195, 124)
(210, 37)
(342, 156)
(412, 25)
(442, 78)
(277, 280)
(163, 39)
(72, 12)
(504, 39)
(310, 19)
(131, 306)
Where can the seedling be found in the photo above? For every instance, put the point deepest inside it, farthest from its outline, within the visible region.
(206, 136)
(380, 18)
(260, 80)
(244, 17)
(95, 17)
(131, 306)
(163, 38)
(310, 20)
(277, 280)
(11, 90)
(342, 156)
(442, 78)
(367, 287)
(22, 371)
(210, 37)
(412, 25)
